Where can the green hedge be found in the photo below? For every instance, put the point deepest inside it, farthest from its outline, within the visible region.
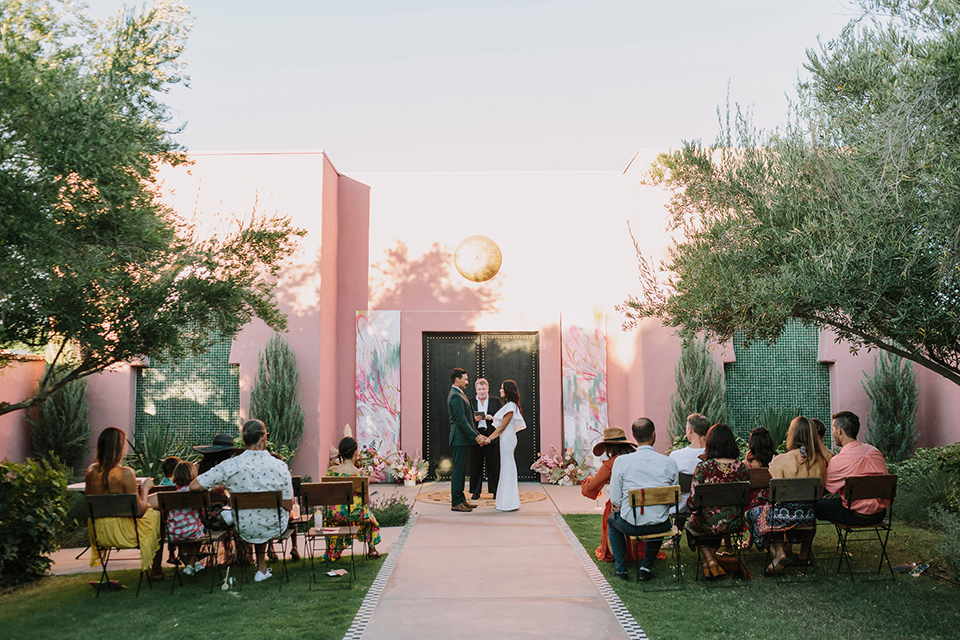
(32, 509)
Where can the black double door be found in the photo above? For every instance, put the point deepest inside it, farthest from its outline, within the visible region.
(496, 357)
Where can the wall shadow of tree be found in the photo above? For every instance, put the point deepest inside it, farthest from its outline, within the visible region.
(429, 282)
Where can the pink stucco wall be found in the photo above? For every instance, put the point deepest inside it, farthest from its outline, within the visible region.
(18, 380)
(386, 241)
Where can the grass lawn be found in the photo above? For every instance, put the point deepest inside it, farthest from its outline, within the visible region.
(64, 607)
(923, 607)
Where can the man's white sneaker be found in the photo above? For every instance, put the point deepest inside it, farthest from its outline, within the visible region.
(261, 576)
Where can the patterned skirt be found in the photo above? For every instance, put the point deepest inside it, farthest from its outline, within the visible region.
(767, 519)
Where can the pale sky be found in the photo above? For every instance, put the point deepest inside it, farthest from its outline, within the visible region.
(451, 85)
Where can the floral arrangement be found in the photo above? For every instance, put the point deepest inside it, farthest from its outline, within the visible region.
(405, 468)
(376, 466)
(562, 469)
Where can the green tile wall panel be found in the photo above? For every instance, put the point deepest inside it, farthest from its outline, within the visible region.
(785, 375)
(196, 398)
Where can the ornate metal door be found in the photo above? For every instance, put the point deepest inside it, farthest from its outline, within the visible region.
(496, 357)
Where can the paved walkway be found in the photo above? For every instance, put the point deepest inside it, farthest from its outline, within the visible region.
(480, 575)
(490, 574)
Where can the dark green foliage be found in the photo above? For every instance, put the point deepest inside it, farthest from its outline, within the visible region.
(846, 217)
(777, 422)
(32, 511)
(391, 511)
(96, 257)
(892, 426)
(948, 548)
(930, 479)
(275, 397)
(700, 388)
(149, 448)
(60, 427)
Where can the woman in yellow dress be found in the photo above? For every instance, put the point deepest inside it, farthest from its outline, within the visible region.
(106, 476)
(348, 454)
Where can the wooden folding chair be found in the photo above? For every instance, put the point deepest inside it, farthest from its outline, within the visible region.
(879, 487)
(801, 492)
(686, 481)
(199, 501)
(321, 495)
(117, 505)
(722, 494)
(759, 479)
(261, 500)
(670, 495)
(361, 487)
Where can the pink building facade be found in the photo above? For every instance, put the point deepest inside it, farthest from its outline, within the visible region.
(375, 277)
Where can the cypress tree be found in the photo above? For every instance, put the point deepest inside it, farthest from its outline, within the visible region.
(275, 397)
(892, 426)
(700, 388)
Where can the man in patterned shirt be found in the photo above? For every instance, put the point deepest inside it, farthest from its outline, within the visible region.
(254, 470)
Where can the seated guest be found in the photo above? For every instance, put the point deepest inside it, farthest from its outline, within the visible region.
(347, 459)
(184, 525)
(804, 459)
(254, 470)
(643, 469)
(722, 464)
(855, 458)
(106, 476)
(688, 457)
(614, 443)
(759, 454)
(216, 452)
(822, 433)
(167, 466)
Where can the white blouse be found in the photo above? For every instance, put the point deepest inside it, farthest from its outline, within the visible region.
(516, 421)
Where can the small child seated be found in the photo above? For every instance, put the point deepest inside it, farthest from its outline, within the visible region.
(167, 466)
(184, 525)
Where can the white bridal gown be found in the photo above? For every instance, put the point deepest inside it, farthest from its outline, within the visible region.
(508, 489)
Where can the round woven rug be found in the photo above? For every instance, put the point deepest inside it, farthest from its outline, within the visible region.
(486, 499)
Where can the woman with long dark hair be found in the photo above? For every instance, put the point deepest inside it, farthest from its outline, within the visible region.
(721, 464)
(507, 422)
(107, 476)
(348, 457)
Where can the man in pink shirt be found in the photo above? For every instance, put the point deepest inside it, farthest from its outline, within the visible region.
(854, 459)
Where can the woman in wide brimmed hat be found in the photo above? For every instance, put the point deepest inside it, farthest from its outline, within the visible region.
(217, 451)
(613, 443)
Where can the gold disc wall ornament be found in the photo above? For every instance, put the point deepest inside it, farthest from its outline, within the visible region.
(478, 258)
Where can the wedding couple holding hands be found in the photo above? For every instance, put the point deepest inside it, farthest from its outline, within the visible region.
(465, 430)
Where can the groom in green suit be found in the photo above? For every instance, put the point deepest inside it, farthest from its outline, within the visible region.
(462, 433)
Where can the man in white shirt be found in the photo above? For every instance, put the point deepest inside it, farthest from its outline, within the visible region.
(643, 469)
(688, 457)
(254, 470)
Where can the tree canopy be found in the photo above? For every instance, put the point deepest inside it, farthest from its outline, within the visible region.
(89, 254)
(847, 217)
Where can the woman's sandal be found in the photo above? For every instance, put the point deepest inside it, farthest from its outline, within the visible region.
(373, 554)
(712, 569)
(776, 567)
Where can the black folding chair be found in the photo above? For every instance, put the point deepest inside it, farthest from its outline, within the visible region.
(261, 500)
(199, 501)
(323, 495)
(804, 493)
(879, 487)
(722, 494)
(117, 505)
(670, 495)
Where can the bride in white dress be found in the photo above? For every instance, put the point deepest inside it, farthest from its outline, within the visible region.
(507, 422)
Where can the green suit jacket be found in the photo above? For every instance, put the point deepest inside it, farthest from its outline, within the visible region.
(462, 432)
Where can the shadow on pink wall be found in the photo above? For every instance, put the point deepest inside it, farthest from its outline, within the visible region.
(428, 282)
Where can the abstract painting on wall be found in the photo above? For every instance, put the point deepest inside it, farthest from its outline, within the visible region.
(378, 380)
(584, 379)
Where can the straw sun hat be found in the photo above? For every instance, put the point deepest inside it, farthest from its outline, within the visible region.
(613, 435)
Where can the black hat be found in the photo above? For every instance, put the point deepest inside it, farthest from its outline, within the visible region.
(221, 442)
